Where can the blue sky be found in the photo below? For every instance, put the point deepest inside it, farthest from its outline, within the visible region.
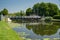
(17, 5)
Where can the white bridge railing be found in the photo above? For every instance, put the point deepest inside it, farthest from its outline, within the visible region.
(24, 16)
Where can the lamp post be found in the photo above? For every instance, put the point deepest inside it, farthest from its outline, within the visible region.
(34, 11)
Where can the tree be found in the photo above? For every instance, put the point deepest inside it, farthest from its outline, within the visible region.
(4, 11)
(17, 14)
(59, 12)
(53, 9)
(46, 9)
(0, 13)
(42, 30)
(40, 9)
(21, 13)
(35, 9)
(28, 11)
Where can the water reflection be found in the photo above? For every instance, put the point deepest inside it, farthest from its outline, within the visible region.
(47, 29)
(39, 30)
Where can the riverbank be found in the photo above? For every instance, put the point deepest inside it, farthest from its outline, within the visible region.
(55, 20)
(12, 24)
(6, 33)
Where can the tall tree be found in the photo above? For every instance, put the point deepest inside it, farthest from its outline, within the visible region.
(35, 9)
(43, 9)
(59, 13)
(21, 13)
(47, 9)
(53, 9)
(28, 11)
(4, 11)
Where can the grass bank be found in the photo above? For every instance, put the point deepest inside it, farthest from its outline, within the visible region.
(6, 33)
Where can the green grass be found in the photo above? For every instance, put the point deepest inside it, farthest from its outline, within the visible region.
(6, 33)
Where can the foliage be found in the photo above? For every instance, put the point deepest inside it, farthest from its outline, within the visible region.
(17, 14)
(53, 9)
(48, 19)
(56, 17)
(28, 11)
(21, 13)
(4, 11)
(59, 12)
(11, 14)
(44, 29)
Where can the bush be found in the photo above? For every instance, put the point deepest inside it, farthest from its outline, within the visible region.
(48, 19)
(56, 17)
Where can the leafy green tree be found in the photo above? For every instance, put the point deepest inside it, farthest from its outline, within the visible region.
(43, 8)
(28, 11)
(59, 12)
(42, 30)
(4, 11)
(21, 13)
(53, 9)
(47, 9)
(17, 14)
(0, 13)
(35, 9)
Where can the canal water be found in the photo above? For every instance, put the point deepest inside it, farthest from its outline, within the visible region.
(39, 31)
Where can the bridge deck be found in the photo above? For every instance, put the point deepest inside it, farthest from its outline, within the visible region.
(24, 17)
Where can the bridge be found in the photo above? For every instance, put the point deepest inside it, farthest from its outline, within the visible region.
(25, 18)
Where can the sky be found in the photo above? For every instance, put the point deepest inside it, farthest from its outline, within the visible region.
(17, 5)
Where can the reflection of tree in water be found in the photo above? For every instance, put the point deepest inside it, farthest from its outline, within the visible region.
(41, 29)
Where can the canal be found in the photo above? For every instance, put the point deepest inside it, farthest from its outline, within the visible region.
(39, 31)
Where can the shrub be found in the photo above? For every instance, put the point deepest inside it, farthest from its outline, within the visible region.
(56, 17)
(48, 19)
